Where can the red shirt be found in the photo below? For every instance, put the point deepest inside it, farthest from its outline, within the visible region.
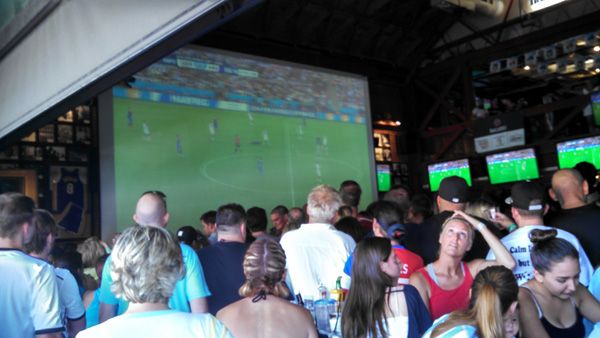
(410, 261)
(445, 301)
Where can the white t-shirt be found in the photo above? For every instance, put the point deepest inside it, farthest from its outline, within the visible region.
(519, 245)
(315, 253)
(29, 301)
(71, 305)
(164, 323)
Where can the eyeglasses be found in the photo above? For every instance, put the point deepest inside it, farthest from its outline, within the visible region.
(158, 193)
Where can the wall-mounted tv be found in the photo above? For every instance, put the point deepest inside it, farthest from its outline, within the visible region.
(438, 171)
(384, 177)
(512, 166)
(595, 98)
(574, 151)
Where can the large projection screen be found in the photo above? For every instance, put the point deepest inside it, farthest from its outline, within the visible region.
(208, 127)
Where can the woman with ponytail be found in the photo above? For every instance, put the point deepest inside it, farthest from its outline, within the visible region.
(265, 312)
(553, 303)
(493, 303)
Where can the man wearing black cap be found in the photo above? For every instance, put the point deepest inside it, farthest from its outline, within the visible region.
(528, 205)
(452, 195)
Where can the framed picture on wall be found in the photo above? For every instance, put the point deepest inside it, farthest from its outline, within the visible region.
(46, 134)
(69, 189)
(23, 181)
(83, 135)
(10, 153)
(65, 133)
(68, 117)
(55, 153)
(31, 153)
(29, 138)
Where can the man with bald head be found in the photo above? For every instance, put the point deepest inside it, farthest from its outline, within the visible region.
(576, 216)
(190, 293)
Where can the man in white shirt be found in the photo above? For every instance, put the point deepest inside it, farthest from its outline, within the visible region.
(528, 207)
(316, 252)
(29, 301)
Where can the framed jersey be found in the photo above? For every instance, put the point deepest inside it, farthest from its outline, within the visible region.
(69, 201)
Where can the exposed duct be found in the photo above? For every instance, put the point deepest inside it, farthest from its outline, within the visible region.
(486, 7)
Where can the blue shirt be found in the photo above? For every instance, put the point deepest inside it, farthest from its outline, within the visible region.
(462, 331)
(192, 286)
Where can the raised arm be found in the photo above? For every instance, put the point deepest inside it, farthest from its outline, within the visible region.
(503, 257)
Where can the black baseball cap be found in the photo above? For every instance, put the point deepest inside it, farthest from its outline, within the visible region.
(454, 189)
(527, 196)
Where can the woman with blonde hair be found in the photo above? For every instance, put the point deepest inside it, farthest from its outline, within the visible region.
(444, 284)
(493, 302)
(146, 263)
(264, 312)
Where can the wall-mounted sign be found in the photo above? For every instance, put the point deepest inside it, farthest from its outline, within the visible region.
(499, 132)
(537, 5)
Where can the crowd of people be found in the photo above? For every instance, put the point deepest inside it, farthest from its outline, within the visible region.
(396, 269)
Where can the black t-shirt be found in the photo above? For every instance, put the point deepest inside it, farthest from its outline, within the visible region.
(429, 235)
(584, 223)
(222, 263)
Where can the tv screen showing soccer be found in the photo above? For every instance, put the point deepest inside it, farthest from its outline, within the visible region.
(384, 177)
(596, 107)
(438, 171)
(584, 149)
(207, 127)
(512, 166)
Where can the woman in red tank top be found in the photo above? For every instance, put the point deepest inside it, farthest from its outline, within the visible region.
(444, 284)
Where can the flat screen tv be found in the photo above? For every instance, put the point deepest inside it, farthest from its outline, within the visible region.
(438, 171)
(384, 177)
(512, 166)
(595, 98)
(574, 151)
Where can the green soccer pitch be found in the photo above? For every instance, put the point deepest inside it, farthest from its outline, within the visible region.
(512, 171)
(436, 177)
(570, 158)
(190, 154)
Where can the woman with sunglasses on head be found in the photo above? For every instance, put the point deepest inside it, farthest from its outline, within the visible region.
(553, 303)
(376, 305)
(444, 284)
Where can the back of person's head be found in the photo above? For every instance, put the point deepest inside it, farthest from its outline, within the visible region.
(364, 312)
(146, 263)
(589, 173)
(230, 217)
(528, 198)
(256, 219)
(296, 217)
(454, 190)
(567, 186)
(91, 249)
(151, 209)
(399, 194)
(42, 225)
(209, 217)
(187, 235)
(389, 217)
(15, 210)
(493, 293)
(322, 204)
(352, 227)
(350, 193)
(67, 258)
(345, 211)
(420, 204)
(264, 267)
(549, 250)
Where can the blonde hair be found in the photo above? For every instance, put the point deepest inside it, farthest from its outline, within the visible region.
(91, 250)
(470, 231)
(322, 204)
(146, 263)
(493, 291)
(264, 265)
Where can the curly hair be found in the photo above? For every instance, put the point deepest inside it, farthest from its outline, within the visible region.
(146, 263)
(264, 266)
(91, 250)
